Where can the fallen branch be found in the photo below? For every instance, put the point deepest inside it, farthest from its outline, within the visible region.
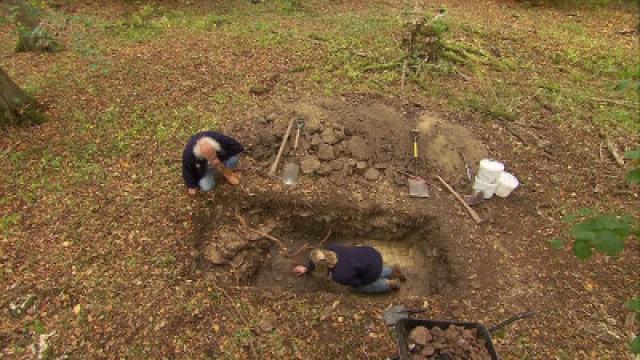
(612, 149)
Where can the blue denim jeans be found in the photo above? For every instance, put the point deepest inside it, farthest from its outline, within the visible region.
(379, 286)
(208, 182)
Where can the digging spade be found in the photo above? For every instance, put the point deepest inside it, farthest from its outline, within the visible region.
(292, 169)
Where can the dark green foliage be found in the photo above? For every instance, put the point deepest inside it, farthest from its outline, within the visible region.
(605, 233)
(633, 176)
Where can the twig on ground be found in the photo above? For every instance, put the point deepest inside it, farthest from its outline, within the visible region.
(612, 149)
(462, 75)
(629, 31)
(600, 152)
(404, 74)
(616, 102)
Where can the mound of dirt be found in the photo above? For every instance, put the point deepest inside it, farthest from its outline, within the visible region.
(366, 137)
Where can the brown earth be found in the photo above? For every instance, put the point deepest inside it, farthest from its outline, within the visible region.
(117, 263)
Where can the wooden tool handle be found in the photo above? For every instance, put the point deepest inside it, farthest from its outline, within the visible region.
(274, 166)
(295, 144)
(471, 212)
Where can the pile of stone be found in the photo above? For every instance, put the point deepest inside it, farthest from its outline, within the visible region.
(332, 150)
(456, 342)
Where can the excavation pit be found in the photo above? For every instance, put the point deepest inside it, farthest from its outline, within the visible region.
(415, 250)
(411, 242)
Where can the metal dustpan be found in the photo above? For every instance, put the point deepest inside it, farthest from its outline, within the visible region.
(290, 174)
(418, 187)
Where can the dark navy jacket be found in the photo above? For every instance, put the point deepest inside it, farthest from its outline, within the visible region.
(194, 169)
(356, 266)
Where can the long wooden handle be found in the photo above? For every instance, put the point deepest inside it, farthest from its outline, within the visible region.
(274, 166)
(295, 144)
(471, 212)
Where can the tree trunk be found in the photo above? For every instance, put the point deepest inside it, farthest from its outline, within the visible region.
(16, 107)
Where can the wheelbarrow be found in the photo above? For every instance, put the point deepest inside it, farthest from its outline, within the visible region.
(401, 318)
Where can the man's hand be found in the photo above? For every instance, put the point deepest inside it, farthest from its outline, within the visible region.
(192, 191)
(300, 270)
(215, 162)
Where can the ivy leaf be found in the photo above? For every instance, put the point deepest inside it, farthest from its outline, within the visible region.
(583, 232)
(557, 243)
(634, 305)
(569, 218)
(633, 176)
(609, 243)
(635, 345)
(633, 154)
(582, 249)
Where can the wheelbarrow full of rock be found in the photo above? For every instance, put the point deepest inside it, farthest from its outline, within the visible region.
(447, 339)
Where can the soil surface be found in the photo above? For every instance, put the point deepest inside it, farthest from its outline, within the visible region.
(105, 256)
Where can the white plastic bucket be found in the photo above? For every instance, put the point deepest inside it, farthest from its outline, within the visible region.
(490, 170)
(486, 188)
(506, 184)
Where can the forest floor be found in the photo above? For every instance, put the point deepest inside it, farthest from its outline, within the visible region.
(112, 258)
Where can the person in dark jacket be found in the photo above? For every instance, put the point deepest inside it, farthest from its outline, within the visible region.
(359, 267)
(208, 153)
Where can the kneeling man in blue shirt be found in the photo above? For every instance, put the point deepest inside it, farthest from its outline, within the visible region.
(206, 154)
(359, 267)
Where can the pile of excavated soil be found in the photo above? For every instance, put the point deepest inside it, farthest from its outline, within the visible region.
(367, 137)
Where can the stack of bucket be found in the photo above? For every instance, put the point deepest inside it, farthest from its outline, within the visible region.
(492, 179)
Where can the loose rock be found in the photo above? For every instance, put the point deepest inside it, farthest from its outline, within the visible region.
(316, 140)
(372, 174)
(337, 164)
(325, 152)
(328, 136)
(309, 164)
(455, 341)
(361, 166)
(325, 169)
(357, 146)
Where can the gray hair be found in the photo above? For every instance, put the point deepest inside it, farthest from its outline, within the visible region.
(205, 140)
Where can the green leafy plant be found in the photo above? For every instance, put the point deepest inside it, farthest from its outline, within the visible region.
(606, 234)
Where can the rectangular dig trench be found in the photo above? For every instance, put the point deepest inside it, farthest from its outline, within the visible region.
(412, 244)
(225, 247)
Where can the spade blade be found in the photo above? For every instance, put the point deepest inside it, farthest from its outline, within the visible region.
(290, 175)
(418, 188)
